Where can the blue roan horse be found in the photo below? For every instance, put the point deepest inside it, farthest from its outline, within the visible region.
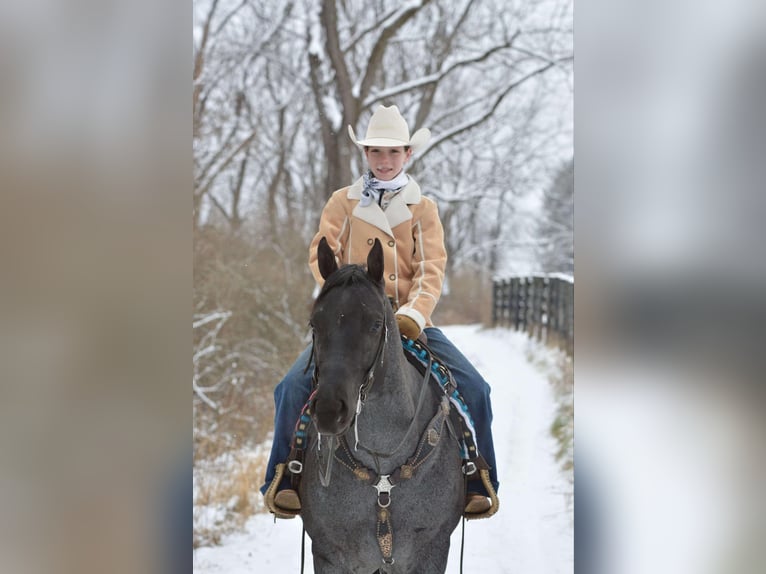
(381, 424)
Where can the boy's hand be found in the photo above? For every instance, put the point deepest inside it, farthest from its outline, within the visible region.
(408, 327)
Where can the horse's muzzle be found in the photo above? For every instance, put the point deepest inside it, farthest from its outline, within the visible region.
(331, 416)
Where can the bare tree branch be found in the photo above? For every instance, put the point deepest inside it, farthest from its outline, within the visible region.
(329, 19)
(472, 123)
(351, 42)
(387, 30)
(436, 77)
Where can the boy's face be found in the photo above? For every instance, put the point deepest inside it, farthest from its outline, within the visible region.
(386, 162)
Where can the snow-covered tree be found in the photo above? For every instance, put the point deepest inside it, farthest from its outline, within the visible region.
(277, 83)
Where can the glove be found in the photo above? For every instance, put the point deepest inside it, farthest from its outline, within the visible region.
(408, 327)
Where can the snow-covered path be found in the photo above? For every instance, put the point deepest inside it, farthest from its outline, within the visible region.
(532, 532)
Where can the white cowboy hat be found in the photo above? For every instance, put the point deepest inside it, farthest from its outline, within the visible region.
(387, 128)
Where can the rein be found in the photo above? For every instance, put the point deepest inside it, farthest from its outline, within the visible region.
(370, 378)
(377, 454)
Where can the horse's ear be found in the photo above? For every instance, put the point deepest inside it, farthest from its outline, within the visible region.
(326, 259)
(375, 262)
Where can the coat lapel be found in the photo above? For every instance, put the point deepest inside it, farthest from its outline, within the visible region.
(397, 211)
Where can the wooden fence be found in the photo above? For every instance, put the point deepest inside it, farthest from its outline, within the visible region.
(541, 305)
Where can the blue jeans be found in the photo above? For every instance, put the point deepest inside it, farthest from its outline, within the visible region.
(292, 393)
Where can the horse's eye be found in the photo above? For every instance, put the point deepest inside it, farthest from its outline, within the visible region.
(376, 326)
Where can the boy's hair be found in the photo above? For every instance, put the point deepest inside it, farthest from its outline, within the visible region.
(367, 148)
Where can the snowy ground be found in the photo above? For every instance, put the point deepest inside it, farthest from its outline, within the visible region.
(532, 532)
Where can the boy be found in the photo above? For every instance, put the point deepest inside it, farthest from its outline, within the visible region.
(387, 204)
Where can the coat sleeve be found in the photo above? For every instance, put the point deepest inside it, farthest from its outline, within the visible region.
(334, 225)
(429, 261)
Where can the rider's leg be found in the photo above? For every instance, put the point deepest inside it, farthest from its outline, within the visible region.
(475, 390)
(289, 397)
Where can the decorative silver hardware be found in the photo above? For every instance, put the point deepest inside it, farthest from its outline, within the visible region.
(384, 486)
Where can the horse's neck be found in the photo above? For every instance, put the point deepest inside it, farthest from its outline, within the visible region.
(392, 396)
(391, 407)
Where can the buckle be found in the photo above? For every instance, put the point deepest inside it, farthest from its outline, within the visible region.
(295, 466)
(469, 468)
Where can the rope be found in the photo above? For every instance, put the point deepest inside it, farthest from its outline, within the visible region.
(462, 535)
(462, 545)
(303, 549)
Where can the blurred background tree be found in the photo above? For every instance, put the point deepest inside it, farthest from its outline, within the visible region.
(555, 227)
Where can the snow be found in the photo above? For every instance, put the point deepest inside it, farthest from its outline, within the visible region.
(563, 276)
(532, 531)
(334, 113)
(315, 33)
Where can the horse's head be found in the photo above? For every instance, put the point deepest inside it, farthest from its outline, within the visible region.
(349, 320)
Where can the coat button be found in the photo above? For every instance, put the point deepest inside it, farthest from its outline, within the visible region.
(370, 241)
(392, 277)
(391, 243)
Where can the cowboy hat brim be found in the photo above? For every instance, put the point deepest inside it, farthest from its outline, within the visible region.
(419, 139)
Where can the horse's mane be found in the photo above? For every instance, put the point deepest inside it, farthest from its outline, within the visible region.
(346, 276)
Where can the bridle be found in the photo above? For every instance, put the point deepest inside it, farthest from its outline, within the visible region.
(368, 379)
(364, 389)
(339, 448)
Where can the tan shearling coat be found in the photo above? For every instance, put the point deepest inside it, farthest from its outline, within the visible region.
(413, 244)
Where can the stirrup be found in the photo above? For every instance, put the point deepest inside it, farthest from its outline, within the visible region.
(271, 493)
(476, 503)
(493, 499)
(290, 501)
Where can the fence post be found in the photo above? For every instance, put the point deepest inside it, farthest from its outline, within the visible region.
(556, 305)
(568, 312)
(516, 302)
(530, 310)
(536, 321)
(507, 302)
(505, 296)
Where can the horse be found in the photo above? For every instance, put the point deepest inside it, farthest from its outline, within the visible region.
(381, 488)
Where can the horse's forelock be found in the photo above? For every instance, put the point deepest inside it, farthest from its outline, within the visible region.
(346, 276)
